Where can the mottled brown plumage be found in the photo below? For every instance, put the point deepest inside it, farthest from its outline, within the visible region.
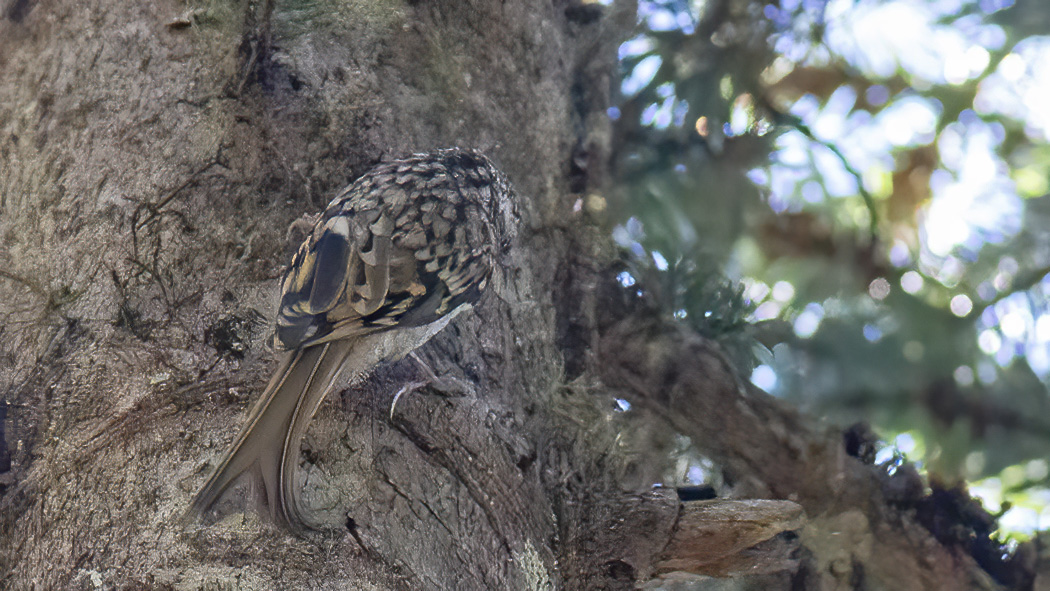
(403, 246)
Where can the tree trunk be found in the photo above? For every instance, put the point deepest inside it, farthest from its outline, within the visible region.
(156, 160)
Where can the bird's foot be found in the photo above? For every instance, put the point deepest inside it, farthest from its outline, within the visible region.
(446, 385)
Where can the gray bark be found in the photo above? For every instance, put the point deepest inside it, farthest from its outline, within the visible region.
(155, 157)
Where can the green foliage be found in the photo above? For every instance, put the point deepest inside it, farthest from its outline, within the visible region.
(859, 189)
(681, 288)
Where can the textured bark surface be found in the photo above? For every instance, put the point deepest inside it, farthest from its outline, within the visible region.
(154, 161)
(155, 158)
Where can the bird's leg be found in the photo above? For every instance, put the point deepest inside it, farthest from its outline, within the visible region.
(447, 385)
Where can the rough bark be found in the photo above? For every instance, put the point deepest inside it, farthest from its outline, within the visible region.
(155, 159)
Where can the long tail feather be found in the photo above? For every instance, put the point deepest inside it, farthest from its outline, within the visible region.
(268, 445)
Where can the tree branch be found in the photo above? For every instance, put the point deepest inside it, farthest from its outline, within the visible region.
(687, 381)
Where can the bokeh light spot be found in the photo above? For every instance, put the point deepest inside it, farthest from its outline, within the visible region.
(879, 288)
(911, 282)
(963, 375)
(764, 377)
(961, 305)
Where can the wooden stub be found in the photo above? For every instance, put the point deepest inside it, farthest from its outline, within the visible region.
(724, 537)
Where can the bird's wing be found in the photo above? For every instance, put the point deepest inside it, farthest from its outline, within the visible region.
(339, 275)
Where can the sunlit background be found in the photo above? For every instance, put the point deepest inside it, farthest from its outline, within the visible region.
(852, 197)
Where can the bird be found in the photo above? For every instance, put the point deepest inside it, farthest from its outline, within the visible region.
(404, 245)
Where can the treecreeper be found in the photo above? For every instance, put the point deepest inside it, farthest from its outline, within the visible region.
(404, 246)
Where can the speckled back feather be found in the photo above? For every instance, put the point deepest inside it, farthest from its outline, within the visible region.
(406, 243)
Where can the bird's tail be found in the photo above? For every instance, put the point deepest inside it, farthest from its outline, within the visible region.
(268, 445)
